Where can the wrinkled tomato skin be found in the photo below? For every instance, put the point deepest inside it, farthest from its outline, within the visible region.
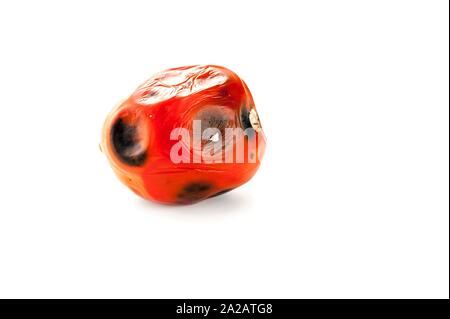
(142, 124)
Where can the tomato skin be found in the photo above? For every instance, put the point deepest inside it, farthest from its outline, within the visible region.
(136, 135)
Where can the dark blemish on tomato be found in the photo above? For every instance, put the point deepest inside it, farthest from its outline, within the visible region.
(193, 192)
(246, 123)
(245, 118)
(125, 143)
(213, 119)
(224, 92)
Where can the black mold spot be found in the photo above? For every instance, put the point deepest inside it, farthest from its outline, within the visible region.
(245, 122)
(245, 118)
(193, 192)
(125, 142)
(214, 119)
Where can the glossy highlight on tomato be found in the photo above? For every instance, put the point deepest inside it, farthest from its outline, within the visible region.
(142, 141)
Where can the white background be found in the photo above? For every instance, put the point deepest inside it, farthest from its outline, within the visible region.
(351, 199)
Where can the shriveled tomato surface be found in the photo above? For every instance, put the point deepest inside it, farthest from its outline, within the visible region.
(143, 142)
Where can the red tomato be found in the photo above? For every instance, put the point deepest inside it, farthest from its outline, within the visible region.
(179, 138)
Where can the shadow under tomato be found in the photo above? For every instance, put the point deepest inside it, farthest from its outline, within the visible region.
(228, 203)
